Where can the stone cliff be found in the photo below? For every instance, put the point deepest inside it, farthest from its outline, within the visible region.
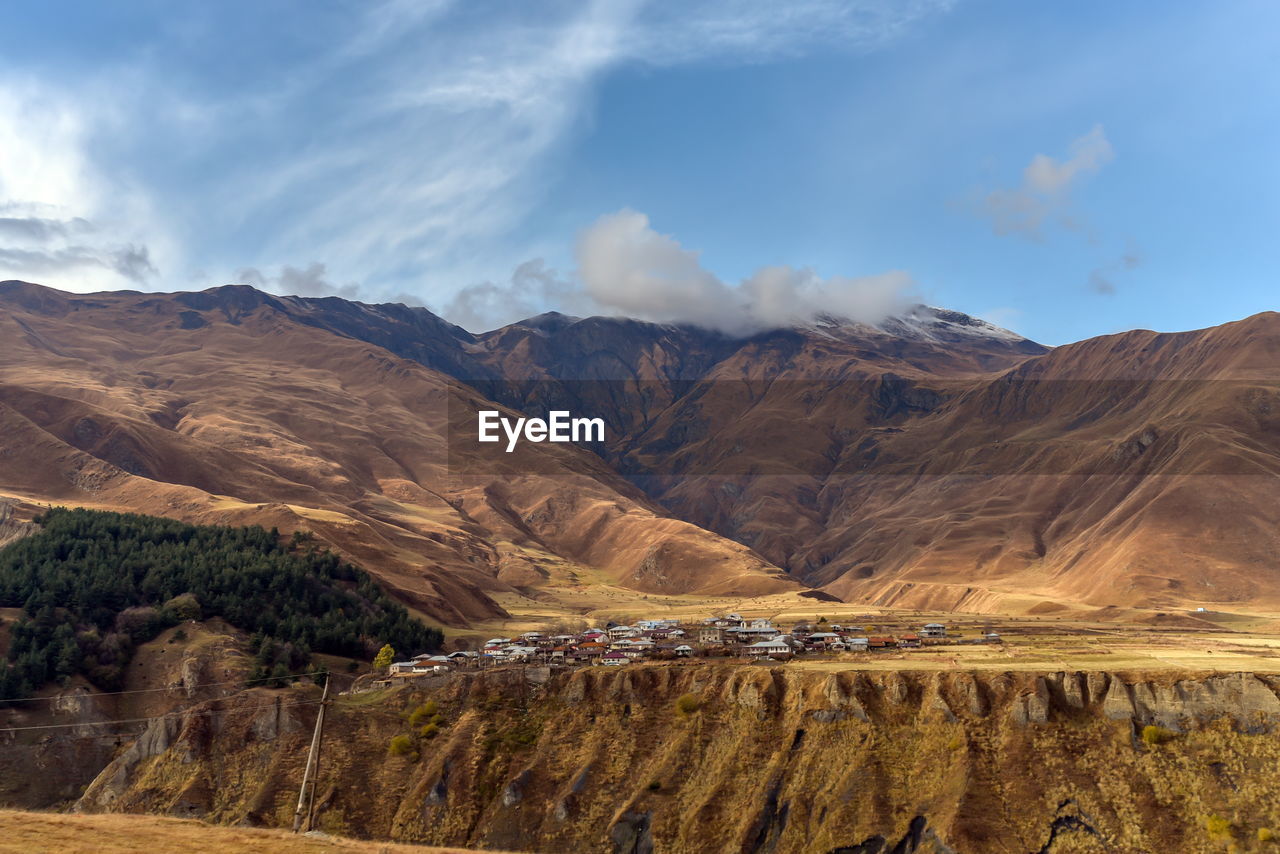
(741, 759)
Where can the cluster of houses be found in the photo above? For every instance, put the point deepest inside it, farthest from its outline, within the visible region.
(731, 634)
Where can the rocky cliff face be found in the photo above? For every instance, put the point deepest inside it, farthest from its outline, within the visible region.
(738, 758)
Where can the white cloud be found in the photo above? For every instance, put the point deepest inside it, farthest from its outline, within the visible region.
(59, 214)
(533, 288)
(628, 268)
(399, 147)
(442, 127)
(1089, 153)
(1045, 192)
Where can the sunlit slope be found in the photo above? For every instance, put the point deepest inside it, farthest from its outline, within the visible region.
(227, 406)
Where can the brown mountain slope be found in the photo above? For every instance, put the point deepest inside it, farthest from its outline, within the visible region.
(933, 460)
(1133, 469)
(224, 406)
(955, 467)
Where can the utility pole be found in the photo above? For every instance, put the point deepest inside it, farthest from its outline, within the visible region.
(305, 804)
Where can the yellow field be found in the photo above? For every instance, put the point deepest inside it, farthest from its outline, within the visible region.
(38, 833)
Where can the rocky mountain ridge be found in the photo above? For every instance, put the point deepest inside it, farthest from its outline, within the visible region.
(935, 462)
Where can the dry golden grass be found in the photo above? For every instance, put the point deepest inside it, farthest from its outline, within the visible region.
(38, 833)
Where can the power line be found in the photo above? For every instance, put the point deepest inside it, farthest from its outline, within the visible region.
(182, 714)
(248, 683)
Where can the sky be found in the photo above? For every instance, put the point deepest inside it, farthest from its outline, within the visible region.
(1065, 170)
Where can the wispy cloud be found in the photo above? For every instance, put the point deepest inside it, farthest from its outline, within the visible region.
(755, 30)
(533, 288)
(132, 263)
(38, 229)
(309, 281)
(1102, 279)
(396, 144)
(56, 205)
(1044, 195)
(1043, 198)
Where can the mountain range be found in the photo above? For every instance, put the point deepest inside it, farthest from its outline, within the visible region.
(928, 460)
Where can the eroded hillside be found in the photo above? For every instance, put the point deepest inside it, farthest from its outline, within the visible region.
(933, 461)
(741, 758)
(235, 407)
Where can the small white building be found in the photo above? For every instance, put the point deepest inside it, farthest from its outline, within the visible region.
(775, 646)
(746, 634)
(933, 631)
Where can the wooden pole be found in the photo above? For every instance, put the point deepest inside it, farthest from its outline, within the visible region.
(313, 757)
(315, 770)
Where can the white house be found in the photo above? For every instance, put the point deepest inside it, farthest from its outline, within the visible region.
(933, 630)
(745, 634)
(775, 646)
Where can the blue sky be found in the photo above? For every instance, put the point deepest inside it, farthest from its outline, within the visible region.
(1066, 170)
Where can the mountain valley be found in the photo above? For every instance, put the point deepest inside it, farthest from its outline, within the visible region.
(932, 461)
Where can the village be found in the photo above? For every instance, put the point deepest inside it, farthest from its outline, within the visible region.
(727, 636)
